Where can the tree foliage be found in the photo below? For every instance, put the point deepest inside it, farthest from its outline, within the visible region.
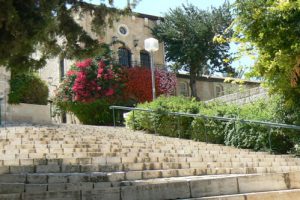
(26, 26)
(272, 27)
(189, 33)
(28, 88)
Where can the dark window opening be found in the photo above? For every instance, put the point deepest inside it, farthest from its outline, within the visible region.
(61, 69)
(145, 59)
(124, 57)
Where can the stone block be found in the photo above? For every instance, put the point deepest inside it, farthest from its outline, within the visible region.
(56, 187)
(186, 172)
(133, 166)
(213, 187)
(116, 176)
(12, 178)
(102, 194)
(169, 173)
(10, 196)
(292, 180)
(99, 160)
(7, 188)
(11, 162)
(57, 178)
(35, 188)
(113, 160)
(260, 183)
(70, 168)
(101, 185)
(26, 162)
(77, 178)
(110, 168)
(67, 195)
(37, 178)
(21, 169)
(89, 168)
(47, 169)
(129, 159)
(133, 175)
(172, 190)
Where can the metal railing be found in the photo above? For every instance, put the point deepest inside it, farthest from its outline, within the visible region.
(205, 117)
(1, 99)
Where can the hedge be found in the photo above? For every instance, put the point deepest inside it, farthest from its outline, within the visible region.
(238, 134)
(28, 88)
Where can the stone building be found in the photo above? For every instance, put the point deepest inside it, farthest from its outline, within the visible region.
(211, 87)
(126, 37)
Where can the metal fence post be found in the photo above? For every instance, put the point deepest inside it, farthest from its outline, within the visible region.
(155, 131)
(269, 137)
(114, 117)
(178, 125)
(1, 111)
(133, 119)
(205, 131)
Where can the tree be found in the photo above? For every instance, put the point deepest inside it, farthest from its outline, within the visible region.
(188, 34)
(26, 26)
(272, 29)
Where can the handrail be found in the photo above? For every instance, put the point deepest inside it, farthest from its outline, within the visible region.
(266, 123)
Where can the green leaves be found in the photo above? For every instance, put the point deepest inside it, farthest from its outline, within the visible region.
(30, 26)
(188, 35)
(273, 27)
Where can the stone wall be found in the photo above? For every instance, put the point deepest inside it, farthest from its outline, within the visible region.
(29, 113)
(21, 113)
(4, 90)
(211, 87)
(243, 97)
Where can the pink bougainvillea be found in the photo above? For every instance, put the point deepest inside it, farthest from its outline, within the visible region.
(89, 80)
(166, 81)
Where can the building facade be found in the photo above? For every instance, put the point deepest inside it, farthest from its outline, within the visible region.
(126, 38)
(212, 87)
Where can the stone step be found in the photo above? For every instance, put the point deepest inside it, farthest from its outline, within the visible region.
(168, 188)
(46, 173)
(293, 194)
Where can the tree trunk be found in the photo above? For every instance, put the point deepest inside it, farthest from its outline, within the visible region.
(193, 77)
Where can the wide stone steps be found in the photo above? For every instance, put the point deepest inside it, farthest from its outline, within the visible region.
(84, 162)
(197, 187)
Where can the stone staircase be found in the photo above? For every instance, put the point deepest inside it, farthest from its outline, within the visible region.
(86, 162)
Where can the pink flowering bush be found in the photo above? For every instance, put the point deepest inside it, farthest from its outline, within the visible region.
(90, 80)
(89, 88)
(166, 81)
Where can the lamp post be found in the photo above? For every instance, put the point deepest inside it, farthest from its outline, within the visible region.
(151, 45)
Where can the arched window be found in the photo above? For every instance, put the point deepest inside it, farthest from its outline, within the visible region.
(219, 90)
(124, 57)
(183, 89)
(145, 59)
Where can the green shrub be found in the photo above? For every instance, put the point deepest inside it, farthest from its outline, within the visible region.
(160, 121)
(92, 113)
(27, 88)
(232, 133)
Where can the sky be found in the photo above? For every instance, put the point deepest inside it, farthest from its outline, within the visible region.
(160, 7)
